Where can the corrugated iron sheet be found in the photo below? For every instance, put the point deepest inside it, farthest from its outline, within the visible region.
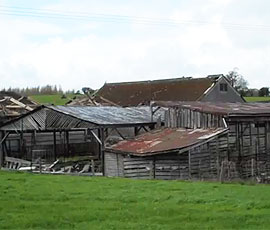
(107, 115)
(142, 92)
(227, 109)
(165, 140)
(68, 117)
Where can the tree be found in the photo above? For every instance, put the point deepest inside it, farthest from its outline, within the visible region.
(237, 81)
(264, 92)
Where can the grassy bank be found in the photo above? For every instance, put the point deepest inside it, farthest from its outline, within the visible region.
(257, 99)
(55, 99)
(57, 202)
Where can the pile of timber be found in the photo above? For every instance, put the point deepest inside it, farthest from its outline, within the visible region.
(89, 167)
(85, 166)
(13, 105)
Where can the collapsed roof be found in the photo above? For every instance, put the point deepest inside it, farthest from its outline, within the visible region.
(164, 140)
(13, 105)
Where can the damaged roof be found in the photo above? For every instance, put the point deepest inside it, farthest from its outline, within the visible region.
(221, 108)
(142, 92)
(23, 99)
(13, 105)
(72, 117)
(162, 141)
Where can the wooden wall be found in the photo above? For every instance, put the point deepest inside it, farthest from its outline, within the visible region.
(199, 163)
(186, 118)
(243, 153)
(248, 139)
(249, 142)
(170, 166)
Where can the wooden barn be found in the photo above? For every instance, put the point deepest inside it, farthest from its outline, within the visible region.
(249, 131)
(50, 132)
(169, 154)
(212, 88)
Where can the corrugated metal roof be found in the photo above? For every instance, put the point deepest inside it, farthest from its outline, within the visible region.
(227, 109)
(69, 117)
(107, 115)
(164, 140)
(142, 92)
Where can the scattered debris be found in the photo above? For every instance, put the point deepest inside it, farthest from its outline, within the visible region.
(91, 166)
(13, 105)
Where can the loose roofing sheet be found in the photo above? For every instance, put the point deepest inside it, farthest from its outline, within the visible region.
(164, 140)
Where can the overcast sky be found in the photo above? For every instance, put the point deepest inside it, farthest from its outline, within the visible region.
(89, 42)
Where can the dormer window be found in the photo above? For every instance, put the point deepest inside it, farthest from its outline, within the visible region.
(223, 87)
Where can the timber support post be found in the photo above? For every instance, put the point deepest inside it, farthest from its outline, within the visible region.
(101, 149)
(67, 143)
(93, 167)
(54, 145)
(189, 164)
(1, 151)
(136, 131)
(3, 137)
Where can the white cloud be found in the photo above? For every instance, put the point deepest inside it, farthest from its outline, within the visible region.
(74, 54)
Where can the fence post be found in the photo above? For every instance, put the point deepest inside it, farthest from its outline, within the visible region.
(151, 170)
(93, 167)
(252, 168)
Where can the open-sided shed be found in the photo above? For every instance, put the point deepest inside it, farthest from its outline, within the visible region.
(61, 131)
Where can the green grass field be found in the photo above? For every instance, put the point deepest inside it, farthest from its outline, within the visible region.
(257, 99)
(31, 201)
(55, 99)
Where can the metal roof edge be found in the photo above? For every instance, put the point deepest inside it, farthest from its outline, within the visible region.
(179, 150)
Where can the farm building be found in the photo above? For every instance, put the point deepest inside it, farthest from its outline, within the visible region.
(201, 140)
(212, 88)
(248, 124)
(168, 154)
(13, 105)
(50, 132)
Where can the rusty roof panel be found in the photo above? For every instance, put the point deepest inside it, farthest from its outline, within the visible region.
(226, 109)
(142, 92)
(164, 140)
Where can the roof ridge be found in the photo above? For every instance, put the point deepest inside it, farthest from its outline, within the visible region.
(159, 80)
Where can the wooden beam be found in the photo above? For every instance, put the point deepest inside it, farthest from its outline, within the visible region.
(189, 164)
(120, 134)
(136, 132)
(4, 138)
(258, 140)
(101, 149)
(1, 151)
(20, 104)
(97, 138)
(54, 145)
(67, 143)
